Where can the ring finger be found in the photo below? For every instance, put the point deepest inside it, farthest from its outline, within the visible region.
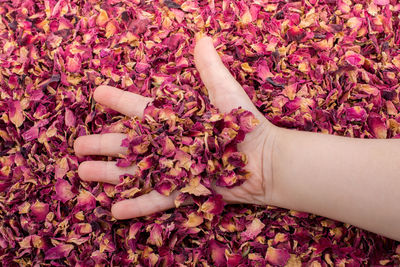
(100, 144)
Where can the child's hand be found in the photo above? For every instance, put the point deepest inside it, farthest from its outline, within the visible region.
(226, 94)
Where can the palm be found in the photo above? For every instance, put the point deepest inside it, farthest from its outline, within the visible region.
(226, 94)
(256, 189)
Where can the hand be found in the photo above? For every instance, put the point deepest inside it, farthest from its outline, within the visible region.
(226, 94)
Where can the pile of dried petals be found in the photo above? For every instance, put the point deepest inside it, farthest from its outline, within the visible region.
(183, 143)
(328, 66)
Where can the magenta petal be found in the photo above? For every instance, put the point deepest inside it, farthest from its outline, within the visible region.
(214, 205)
(382, 2)
(165, 187)
(378, 126)
(156, 236)
(247, 121)
(40, 210)
(252, 230)
(197, 168)
(15, 113)
(63, 190)
(123, 163)
(58, 252)
(356, 114)
(168, 148)
(237, 159)
(146, 163)
(31, 134)
(217, 252)
(86, 200)
(73, 64)
(70, 119)
(295, 34)
(277, 257)
(227, 179)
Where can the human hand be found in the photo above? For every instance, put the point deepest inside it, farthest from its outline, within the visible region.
(226, 94)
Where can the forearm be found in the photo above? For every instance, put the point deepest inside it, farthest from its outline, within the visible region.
(356, 181)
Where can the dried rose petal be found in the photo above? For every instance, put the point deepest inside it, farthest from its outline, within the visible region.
(382, 2)
(40, 210)
(356, 113)
(165, 187)
(155, 236)
(354, 59)
(196, 188)
(31, 134)
(168, 147)
(217, 251)
(213, 205)
(277, 257)
(15, 113)
(252, 230)
(377, 126)
(73, 64)
(102, 18)
(83, 228)
(295, 34)
(63, 190)
(70, 118)
(193, 220)
(59, 251)
(86, 200)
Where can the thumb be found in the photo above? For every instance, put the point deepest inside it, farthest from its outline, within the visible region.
(225, 92)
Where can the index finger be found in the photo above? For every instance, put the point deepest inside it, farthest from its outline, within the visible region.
(124, 102)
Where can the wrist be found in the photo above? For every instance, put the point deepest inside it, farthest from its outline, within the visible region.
(269, 155)
(280, 158)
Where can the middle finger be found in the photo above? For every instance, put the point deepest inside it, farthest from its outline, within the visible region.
(108, 144)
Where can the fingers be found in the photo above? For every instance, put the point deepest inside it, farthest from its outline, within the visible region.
(225, 92)
(103, 171)
(100, 144)
(125, 102)
(143, 205)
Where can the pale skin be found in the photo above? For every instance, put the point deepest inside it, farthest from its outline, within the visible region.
(355, 181)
